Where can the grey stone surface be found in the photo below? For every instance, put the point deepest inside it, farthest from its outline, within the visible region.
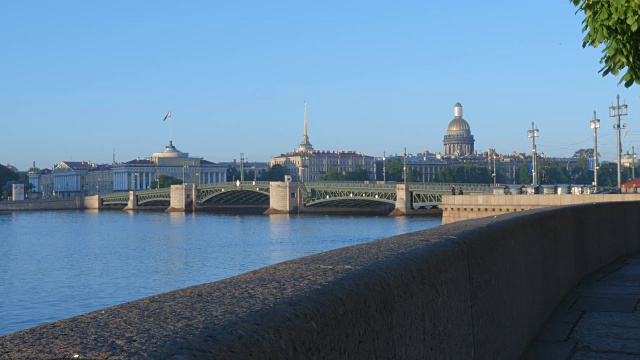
(608, 290)
(554, 331)
(565, 316)
(592, 355)
(549, 351)
(605, 303)
(608, 332)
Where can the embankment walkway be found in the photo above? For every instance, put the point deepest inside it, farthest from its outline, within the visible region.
(598, 319)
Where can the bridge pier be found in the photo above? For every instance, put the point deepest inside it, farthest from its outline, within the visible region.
(284, 198)
(403, 201)
(133, 201)
(93, 202)
(183, 198)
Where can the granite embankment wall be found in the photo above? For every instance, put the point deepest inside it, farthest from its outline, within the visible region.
(472, 289)
(465, 207)
(53, 204)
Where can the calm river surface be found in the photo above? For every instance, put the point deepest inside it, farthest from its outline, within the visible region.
(59, 264)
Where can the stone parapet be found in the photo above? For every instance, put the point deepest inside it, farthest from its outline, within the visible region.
(76, 203)
(465, 207)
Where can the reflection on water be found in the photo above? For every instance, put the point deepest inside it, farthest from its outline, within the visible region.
(59, 264)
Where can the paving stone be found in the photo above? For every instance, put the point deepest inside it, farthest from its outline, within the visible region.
(605, 303)
(601, 289)
(608, 332)
(591, 355)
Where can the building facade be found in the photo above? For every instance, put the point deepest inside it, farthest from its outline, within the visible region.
(70, 179)
(140, 174)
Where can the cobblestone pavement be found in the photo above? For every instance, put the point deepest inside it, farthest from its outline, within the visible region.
(598, 319)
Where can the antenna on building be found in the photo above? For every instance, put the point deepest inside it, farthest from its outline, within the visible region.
(114, 156)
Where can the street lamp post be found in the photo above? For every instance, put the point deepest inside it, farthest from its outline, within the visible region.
(492, 153)
(533, 133)
(241, 167)
(404, 167)
(595, 124)
(618, 111)
(633, 160)
(384, 167)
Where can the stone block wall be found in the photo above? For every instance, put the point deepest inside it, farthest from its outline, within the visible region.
(456, 208)
(39, 204)
(283, 198)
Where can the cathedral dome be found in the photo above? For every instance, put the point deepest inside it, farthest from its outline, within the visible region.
(458, 124)
(458, 141)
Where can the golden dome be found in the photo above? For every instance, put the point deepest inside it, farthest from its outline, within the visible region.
(458, 124)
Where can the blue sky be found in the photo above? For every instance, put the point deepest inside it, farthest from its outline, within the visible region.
(80, 79)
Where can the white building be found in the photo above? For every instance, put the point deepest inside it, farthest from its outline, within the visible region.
(69, 179)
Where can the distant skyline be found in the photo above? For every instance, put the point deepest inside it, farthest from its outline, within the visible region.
(82, 79)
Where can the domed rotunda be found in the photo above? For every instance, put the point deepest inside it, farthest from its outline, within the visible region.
(458, 141)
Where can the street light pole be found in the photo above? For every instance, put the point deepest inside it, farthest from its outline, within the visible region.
(595, 124)
(633, 160)
(533, 133)
(492, 153)
(241, 167)
(384, 167)
(404, 168)
(618, 111)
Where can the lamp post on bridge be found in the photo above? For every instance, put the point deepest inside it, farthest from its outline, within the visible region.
(618, 111)
(384, 167)
(404, 167)
(241, 167)
(533, 133)
(595, 124)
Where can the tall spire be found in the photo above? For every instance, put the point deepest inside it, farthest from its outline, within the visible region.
(305, 145)
(305, 135)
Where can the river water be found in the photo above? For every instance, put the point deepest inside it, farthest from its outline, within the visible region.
(59, 264)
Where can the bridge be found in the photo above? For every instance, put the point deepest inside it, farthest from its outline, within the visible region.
(278, 198)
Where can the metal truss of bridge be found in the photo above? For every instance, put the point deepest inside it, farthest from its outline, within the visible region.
(311, 195)
(247, 193)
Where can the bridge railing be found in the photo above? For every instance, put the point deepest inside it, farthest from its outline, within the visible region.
(231, 184)
(350, 184)
(447, 186)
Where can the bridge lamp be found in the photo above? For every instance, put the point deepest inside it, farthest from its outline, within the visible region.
(533, 133)
(595, 125)
(617, 111)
